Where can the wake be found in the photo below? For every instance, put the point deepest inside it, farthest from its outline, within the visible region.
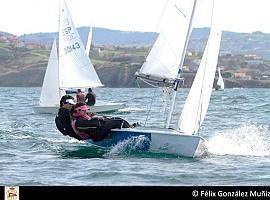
(247, 140)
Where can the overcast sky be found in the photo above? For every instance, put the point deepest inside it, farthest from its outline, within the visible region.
(31, 16)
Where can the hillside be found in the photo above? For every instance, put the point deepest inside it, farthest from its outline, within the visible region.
(24, 63)
(101, 36)
(21, 66)
(234, 43)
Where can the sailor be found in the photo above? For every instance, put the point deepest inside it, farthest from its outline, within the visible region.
(80, 97)
(63, 119)
(92, 126)
(90, 98)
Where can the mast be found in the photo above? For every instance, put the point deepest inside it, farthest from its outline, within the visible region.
(181, 65)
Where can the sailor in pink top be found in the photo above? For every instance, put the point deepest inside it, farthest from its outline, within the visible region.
(93, 126)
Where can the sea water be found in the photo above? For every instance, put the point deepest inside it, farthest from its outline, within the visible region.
(236, 127)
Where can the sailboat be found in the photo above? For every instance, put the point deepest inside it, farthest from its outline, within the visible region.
(220, 83)
(50, 92)
(89, 41)
(71, 69)
(164, 64)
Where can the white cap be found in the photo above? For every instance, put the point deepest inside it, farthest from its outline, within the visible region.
(70, 101)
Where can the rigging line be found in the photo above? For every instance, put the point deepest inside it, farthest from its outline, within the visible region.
(180, 10)
(183, 83)
(148, 82)
(150, 107)
(138, 83)
(201, 105)
(166, 97)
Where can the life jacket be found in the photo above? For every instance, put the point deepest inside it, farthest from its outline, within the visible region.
(82, 134)
(77, 115)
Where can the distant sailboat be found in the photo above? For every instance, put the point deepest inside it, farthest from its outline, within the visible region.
(50, 92)
(164, 65)
(70, 70)
(89, 41)
(220, 83)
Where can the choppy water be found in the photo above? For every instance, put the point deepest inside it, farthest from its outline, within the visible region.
(33, 152)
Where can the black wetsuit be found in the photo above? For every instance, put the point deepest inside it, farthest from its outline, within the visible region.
(63, 124)
(99, 129)
(90, 99)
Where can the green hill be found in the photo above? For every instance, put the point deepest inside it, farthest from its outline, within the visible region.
(234, 43)
(25, 65)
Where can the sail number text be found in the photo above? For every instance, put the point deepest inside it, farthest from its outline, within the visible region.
(72, 47)
(68, 34)
(66, 31)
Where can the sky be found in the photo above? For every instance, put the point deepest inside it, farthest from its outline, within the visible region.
(33, 16)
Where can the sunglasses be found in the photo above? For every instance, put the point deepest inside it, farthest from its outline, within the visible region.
(68, 103)
(81, 110)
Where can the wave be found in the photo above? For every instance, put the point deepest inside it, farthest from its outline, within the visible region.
(130, 110)
(69, 140)
(133, 144)
(247, 140)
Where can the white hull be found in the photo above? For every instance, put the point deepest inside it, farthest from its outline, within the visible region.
(109, 107)
(161, 141)
(176, 143)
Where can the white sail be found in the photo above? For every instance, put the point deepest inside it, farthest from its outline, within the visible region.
(50, 89)
(165, 56)
(164, 62)
(197, 102)
(71, 69)
(220, 82)
(75, 67)
(89, 41)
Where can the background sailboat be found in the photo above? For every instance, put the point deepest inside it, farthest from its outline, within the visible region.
(166, 67)
(50, 92)
(220, 83)
(89, 41)
(74, 69)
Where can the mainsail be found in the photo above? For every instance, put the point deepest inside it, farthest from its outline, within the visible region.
(165, 56)
(75, 67)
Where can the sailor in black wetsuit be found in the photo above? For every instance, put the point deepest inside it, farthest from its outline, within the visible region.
(90, 98)
(63, 120)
